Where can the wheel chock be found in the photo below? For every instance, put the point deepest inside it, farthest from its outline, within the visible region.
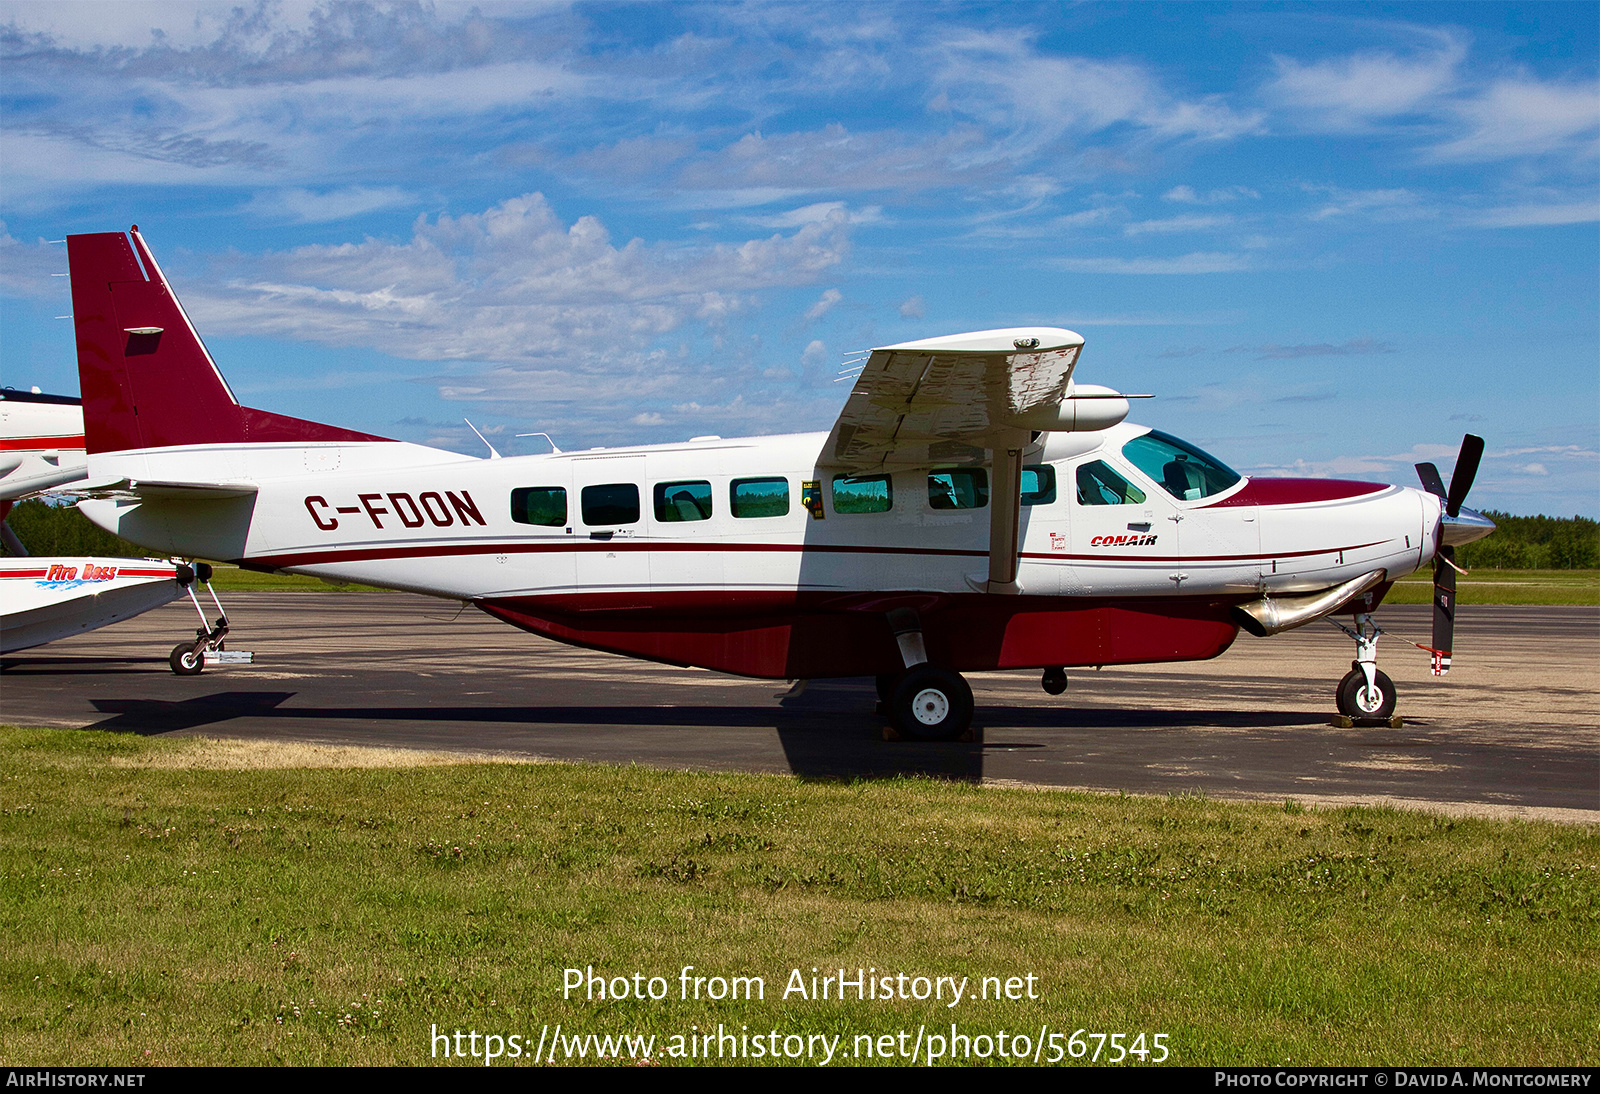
(890, 733)
(1344, 721)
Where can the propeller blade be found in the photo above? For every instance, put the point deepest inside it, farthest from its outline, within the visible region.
(1431, 482)
(1466, 470)
(1444, 609)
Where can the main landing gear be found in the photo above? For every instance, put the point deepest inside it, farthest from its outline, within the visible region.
(191, 658)
(925, 703)
(1365, 694)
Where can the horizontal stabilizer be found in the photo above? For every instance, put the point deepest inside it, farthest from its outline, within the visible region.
(142, 489)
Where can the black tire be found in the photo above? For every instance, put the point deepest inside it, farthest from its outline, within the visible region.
(186, 659)
(1354, 700)
(885, 682)
(931, 704)
(1054, 681)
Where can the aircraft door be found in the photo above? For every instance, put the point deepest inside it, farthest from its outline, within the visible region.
(1046, 533)
(612, 555)
(1125, 536)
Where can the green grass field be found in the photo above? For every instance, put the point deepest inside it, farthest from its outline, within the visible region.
(195, 902)
(226, 577)
(1485, 586)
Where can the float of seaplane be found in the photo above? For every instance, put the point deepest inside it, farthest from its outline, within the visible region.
(973, 508)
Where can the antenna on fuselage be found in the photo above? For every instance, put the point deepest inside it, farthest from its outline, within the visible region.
(493, 455)
(554, 450)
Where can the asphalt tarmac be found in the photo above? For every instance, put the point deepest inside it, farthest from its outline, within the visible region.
(1511, 731)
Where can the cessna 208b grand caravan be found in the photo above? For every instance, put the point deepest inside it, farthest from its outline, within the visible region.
(974, 507)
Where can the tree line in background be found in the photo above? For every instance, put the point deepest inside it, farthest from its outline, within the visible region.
(1535, 543)
(46, 529)
(1521, 543)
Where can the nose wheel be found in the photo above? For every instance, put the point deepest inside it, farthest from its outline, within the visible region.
(1358, 699)
(1365, 695)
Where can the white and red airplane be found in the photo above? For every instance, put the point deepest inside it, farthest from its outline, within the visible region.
(43, 599)
(973, 508)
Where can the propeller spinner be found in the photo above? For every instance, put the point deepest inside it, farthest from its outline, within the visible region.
(1456, 527)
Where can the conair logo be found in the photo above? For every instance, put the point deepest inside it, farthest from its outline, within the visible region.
(440, 510)
(1123, 541)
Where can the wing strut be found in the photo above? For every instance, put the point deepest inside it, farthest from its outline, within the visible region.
(1005, 512)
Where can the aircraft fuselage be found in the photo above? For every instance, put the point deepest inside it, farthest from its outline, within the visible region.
(706, 553)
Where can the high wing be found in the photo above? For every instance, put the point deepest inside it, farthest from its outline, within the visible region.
(949, 400)
(953, 401)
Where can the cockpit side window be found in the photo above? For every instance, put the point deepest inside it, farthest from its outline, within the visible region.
(958, 488)
(1099, 484)
(1038, 484)
(1183, 471)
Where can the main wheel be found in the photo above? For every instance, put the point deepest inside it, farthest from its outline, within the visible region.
(1359, 701)
(931, 704)
(885, 682)
(187, 659)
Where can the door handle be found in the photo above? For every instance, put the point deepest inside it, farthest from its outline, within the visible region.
(1141, 526)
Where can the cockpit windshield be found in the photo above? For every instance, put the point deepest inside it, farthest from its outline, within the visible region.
(1183, 470)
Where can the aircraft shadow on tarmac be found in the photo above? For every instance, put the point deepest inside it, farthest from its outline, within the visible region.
(75, 666)
(828, 732)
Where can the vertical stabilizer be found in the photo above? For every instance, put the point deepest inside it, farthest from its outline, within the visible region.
(147, 379)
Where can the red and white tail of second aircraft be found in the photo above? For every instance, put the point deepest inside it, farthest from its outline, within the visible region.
(974, 507)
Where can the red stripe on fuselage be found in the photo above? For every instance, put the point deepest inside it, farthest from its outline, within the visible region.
(446, 550)
(22, 444)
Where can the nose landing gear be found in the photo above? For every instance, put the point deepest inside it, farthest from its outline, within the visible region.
(1365, 696)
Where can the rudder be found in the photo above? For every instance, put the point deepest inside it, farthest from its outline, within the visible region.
(146, 378)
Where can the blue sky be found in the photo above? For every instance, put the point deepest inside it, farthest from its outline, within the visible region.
(1330, 238)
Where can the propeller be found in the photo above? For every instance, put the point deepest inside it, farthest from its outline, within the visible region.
(1454, 529)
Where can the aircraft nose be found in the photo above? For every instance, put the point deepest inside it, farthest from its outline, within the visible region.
(1464, 527)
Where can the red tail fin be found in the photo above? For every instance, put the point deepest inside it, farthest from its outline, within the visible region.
(146, 377)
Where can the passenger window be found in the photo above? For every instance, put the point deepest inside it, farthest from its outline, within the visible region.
(678, 501)
(613, 503)
(545, 506)
(1098, 484)
(759, 497)
(862, 494)
(958, 488)
(1039, 484)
